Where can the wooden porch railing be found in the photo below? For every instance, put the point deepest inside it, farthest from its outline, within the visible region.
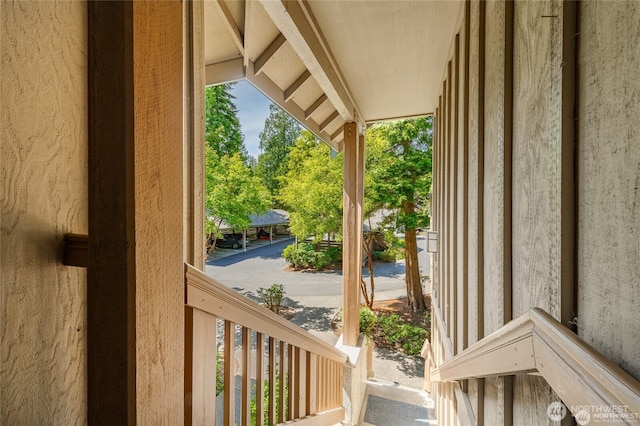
(537, 343)
(237, 349)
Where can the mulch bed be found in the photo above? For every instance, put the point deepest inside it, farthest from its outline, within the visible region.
(392, 306)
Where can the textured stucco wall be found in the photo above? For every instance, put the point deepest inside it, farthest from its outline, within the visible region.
(44, 195)
(608, 158)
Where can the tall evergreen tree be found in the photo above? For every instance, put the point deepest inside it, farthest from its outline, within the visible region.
(401, 182)
(222, 127)
(279, 134)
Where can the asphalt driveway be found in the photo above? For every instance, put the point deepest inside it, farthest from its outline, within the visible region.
(317, 297)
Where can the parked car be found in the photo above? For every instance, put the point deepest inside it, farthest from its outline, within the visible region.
(233, 241)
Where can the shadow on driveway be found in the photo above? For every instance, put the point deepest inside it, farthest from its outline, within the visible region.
(409, 365)
(315, 318)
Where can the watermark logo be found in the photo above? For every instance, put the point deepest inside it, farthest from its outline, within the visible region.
(556, 411)
(584, 414)
(582, 417)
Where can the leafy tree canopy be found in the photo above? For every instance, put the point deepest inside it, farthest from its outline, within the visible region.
(232, 192)
(278, 136)
(312, 188)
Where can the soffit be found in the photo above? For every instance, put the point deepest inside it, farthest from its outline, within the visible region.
(331, 61)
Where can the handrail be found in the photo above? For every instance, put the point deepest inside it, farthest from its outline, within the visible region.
(536, 342)
(286, 373)
(206, 294)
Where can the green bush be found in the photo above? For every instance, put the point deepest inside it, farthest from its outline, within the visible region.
(409, 337)
(388, 255)
(367, 320)
(334, 254)
(304, 256)
(253, 406)
(272, 296)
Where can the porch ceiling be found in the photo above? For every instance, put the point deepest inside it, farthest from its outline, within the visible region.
(331, 61)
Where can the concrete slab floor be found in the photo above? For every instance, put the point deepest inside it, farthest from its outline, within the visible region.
(390, 404)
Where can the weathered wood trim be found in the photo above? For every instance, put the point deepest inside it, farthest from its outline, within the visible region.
(208, 295)
(328, 120)
(508, 148)
(568, 221)
(455, 326)
(465, 410)
(224, 72)
(271, 90)
(315, 105)
(465, 178)
(508, 191)
(76, 250)
(268, 53)
(535, 341)
(194, 83)
(448, 309)
(111, 385)
(231, 24)
(330, 417)
(480, 183)
(200, 369)
(296, 21)
(291, 90)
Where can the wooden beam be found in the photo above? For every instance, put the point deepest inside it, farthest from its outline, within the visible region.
(291, 90)
(295, 20)
(135, 342)
(314, 106)
(248, 23)
(230, 23)
(271, 90)
(328, 120)
(268, 54)
(337, 133)
(224, 72)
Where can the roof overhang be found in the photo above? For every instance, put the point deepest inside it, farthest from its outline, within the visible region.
(332, 61)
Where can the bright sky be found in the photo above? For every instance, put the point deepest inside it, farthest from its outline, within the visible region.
(253, 110)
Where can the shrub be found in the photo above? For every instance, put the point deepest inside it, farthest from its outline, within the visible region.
(387, 255)
(409, 337)
(367, 320)
(272, 296)
(304, 256)
(334, 254)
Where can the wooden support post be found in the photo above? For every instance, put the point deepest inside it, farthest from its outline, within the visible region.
(352, 241)
(135, 291)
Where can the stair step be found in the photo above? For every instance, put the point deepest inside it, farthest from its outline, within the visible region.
(391, 404)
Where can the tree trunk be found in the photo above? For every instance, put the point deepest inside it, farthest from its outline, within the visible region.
(367, 248)
(415, 298)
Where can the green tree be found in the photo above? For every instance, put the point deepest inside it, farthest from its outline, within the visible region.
(278, 136)
(400, 181)
(312, 188)
(232, 192)
(222, 127)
